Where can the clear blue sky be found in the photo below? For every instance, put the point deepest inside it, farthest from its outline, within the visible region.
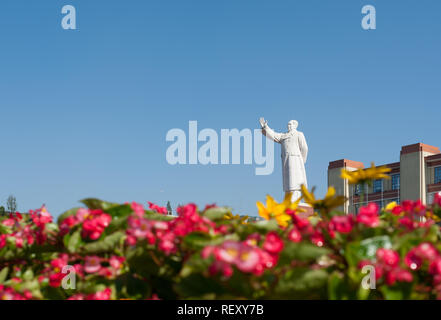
(84, 113)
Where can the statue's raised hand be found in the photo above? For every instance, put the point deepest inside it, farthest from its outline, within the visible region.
(263, 122)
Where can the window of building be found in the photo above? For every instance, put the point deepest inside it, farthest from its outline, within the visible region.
(378, 185)
(396, 182)
(357, 207)
(438, 175)
(380, 204)
(431, 197)
(358, 189)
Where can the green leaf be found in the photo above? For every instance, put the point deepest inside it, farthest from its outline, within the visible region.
(217, 213)
(5, 229)
(108, 244)
(199, 240)
(391, 293)
(302, 251)
(119, 211)
(93, 203)
(399, 291)
(73, 241)
(28, 275)
(195, 264)
(363, 294)
(302, 283)
(4, 274)
(118, 223)
(157, 216)
(141, 262)
(336, 286)
(366, 249)
(196, 285)
(266, 225)
(129, 286)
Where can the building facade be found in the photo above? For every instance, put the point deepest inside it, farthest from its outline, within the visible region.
(416, 176)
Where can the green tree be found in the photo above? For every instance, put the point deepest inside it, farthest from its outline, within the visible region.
(2, 211)
(169, 209)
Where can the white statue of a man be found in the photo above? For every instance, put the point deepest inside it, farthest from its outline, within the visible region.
(294, 154)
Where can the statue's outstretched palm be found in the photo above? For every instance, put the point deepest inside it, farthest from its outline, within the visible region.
(263, 122)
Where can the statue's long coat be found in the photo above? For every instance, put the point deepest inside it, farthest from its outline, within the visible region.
(294, 155)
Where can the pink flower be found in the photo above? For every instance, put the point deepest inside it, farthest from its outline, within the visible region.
(207, 251)
(188, 211)
(317, 238)
(41, 216)
(414, 207)
(220, 266)
(82, 214)
(167, 243)
(397, 210)
(158, 209)
(67, 224)
(105, 272)
(228, 252)
(408, 223)
(299, 222)
(412, 260)
(55, 279)
(209, 206)
(116, 262)
(141, 228)
(294, 235)
(247, 259)
(94, 227)
(267, 261)
(342, 224)
(138, 209)
(428, 251)
(59, 263)
(8, 222)
(437, 199)
(435, 267)
(78, 296)
(418, 255)
(79, 269)
(18, 241)
(8, 293)
(368, 215)
(92, 264)
(2, 240)
(388, 257)
(100, 295)
(253, 239)
(398, 274)
(273, 243)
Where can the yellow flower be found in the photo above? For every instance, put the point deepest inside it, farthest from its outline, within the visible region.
(230, 216)
(277, 210)
(329, 202)
(391, 206)
(432, 216)
(365, 175)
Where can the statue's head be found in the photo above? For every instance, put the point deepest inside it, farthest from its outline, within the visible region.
(292, 125)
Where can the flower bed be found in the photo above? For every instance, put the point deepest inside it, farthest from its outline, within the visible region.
(122, 251)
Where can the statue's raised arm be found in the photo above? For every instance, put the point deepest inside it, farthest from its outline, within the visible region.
(268, 132)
